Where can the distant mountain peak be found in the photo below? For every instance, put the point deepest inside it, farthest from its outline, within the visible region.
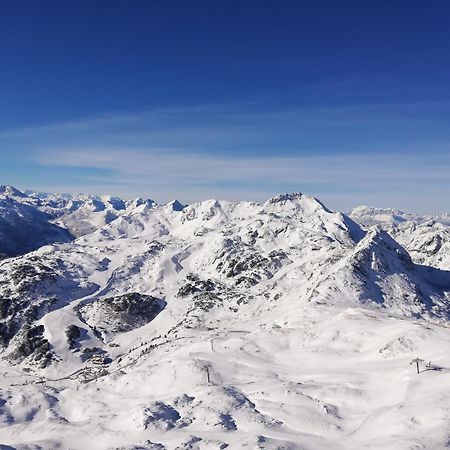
(11, 191)
(306, 202)
(175, 205)
(378, 238)
(139, 201)
(286, 197)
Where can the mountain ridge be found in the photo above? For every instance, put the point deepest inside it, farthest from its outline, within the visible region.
(247, 319)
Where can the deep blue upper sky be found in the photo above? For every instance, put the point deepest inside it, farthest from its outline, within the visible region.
(255, 97)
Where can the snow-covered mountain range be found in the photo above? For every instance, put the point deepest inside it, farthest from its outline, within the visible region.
(76, 214)
(221, 325)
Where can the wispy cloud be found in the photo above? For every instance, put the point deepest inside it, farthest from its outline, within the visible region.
(246, 119)
(184, 166)
(194, 176)
(368, 153)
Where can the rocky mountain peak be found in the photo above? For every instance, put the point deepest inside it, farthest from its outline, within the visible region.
(11, 191)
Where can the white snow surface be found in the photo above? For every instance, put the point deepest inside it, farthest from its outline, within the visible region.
(80, 214)
(427, 238)
(285, 326)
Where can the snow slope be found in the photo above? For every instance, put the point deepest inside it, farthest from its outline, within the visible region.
(281, 325)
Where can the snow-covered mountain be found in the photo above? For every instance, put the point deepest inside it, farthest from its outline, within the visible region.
(83, 214)
(280, 325)
(30, 219)
(24, 228)
(427, 238)
(366, 216)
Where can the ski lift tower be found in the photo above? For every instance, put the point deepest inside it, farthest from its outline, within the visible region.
(417, 361)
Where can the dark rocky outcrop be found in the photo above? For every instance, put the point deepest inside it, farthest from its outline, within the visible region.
(30, 343)
(113, 315)
(73, 334)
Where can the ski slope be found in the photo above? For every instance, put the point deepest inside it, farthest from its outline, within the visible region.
(280, 326)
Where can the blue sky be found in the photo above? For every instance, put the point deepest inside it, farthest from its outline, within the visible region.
(348, 101)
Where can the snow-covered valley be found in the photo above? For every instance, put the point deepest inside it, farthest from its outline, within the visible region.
(281, 325)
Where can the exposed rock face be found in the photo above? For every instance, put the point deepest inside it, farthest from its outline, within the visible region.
(73, 334)
(30, 280)
(208, 295)
(31, 344)
(247, 266)
(113, 315)
(30, 288)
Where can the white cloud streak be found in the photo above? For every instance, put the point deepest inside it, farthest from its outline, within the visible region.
(164, 172)
(394, 155)
(195, 166)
